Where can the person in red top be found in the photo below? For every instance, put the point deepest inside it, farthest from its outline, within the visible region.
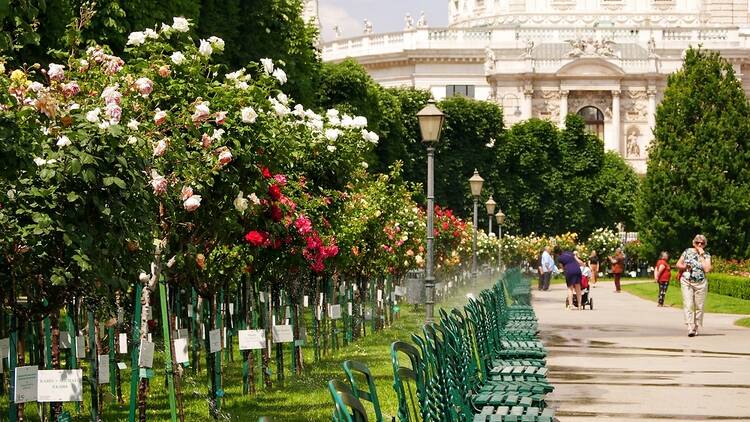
(662, 274)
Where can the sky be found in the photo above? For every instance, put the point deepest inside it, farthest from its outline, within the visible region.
(385, 15)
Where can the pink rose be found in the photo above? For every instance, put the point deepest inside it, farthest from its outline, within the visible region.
(280, 179)
(303, 225)
(192, 203)
(111, 94)
(220, 116)
(160, 148)
(114, 112)
(225, 157)
(113, 65)
(71, 88)
(144, 86)
(160, 117)
(187, 192)
(206, 141)
(202, 112)
(158, 183)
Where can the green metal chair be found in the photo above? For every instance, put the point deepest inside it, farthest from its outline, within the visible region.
(344, 400)
(351, 368)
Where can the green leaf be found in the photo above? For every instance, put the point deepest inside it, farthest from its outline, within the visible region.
(72, 197)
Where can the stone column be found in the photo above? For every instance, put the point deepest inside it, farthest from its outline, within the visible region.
(528, 95)
(615, 144)
(563, 107)
(651, 110)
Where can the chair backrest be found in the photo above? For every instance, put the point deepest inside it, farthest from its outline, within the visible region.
(351, 368)
(407, 381)
(343, 400)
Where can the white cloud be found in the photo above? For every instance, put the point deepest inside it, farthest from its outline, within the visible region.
(332, 15)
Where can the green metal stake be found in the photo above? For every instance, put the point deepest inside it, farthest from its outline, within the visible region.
(47, 341)
(167, 348)
(94, 378)
(194, 329)
(73, 361)
(134, 372)
(112, 362)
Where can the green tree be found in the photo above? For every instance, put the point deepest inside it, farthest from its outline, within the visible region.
(615, 193)
(698, 180)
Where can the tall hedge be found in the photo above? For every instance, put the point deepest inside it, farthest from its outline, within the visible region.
(698, 180)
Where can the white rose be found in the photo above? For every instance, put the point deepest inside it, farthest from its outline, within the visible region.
(150, 33)
(218, 133)
(267, 65)
(240, 203)
(56, 72)
(364, 164)
(40, 161)
(63, 141)
(132, 140)
(93, 115)
(217, 43)
(133, 124)
(136, 38)
(331, 148)
(280, 75)
(332, 134)
(180, 24)
(235, 75)
(347, 121)
(283, 98)
(177, 58)
(254, 198)
(360, 122)
(249, 115)
(243, 85)
(191, 204)
(205, 49)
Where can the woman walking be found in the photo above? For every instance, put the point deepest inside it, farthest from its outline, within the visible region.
(618, 267)
(572, 268)
(594, 265)
(695, 262)
(662, 274)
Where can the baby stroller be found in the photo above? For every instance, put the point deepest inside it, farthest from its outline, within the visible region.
(585, 290)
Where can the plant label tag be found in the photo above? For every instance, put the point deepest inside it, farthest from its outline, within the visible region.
(182, 333)
(214, 340)
(334, 311)
(120, 316)
(146, 354)
(252, 339)
(149, 311)
(349, 309)
(190, 311)
(26, 384)
(224, 338)
(318, 312)
(64, 341)
(181, 350)
(121, 365)
(4, 348)
(103, 369)
(305, 301)
(123, 343)
(80, 347)
(380, 295)
(282, 334)
(342, 288)
(231, 309)
(262, 297)
(59, 385)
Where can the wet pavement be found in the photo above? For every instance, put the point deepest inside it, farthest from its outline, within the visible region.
(628, 360)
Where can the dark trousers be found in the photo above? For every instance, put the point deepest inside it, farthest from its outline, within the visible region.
(544, 280)
(617, 281)
(662, 292)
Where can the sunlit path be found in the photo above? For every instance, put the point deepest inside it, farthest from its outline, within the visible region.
(628, 360)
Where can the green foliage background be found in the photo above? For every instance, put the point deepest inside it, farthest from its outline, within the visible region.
(698, 180)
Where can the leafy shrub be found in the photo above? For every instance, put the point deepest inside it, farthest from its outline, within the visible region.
(729, 285)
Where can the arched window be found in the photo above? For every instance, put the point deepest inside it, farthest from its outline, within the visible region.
(594, 120)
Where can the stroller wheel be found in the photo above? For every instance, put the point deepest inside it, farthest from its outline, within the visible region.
(591, 304)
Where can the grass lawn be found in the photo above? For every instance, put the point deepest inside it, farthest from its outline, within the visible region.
(744, 322)
(714, 302)
(304, 398)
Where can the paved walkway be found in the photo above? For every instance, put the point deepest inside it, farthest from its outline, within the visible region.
(629, 361)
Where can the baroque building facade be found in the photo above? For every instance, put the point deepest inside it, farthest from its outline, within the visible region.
(606, 60)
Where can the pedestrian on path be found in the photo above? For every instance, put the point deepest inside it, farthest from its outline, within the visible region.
(695, 262)
(618, 267)
(572, 268)
(546, 267)
(662, 274)
(594, 265)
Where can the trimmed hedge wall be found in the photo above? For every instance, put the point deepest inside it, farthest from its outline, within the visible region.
(729, 285)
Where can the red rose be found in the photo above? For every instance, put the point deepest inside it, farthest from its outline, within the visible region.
(255, 238)
(274, 191)
(266, 172)
(276, 214)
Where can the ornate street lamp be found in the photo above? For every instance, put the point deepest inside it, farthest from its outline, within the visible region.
(500, 217)
(431, 121)
(490, 205)
(475, 183)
